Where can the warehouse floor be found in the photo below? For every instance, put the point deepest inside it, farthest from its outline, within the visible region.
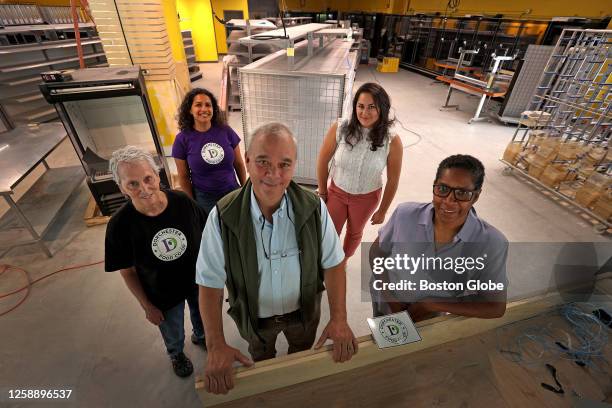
(82, 329)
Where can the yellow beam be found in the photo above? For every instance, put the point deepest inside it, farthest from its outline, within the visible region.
(219, 6)
(196, 16)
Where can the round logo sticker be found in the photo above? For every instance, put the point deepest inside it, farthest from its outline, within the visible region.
(169, 244)
(393, 330)
(212, 153)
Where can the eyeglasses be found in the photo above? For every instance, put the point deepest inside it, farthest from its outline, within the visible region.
(285, 253)
(442, 190)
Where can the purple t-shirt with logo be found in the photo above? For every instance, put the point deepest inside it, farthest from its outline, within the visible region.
(210, 157)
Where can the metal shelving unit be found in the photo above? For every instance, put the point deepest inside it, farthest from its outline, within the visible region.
(28, 48)
(569, 123)
(422, 41)
(240, 55)
(46, 46)
(16, 14)
(21, 29)
(290, 21)
(48, 63)
(574, 96)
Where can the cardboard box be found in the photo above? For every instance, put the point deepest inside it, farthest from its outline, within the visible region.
(534, 158)
(537, 137)
(546, 153)
(598, 182)
(534, 118)
(553, 175)
(586, 196)
(536, 169)
(572, 173)
(512, 151)
(596, 154)
(603, 207)
(569, 150)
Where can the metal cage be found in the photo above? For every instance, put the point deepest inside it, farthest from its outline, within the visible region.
(307, 98)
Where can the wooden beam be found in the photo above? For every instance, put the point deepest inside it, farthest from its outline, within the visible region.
(470, 87)
(92, 216)
(309, 365)
(453, 374)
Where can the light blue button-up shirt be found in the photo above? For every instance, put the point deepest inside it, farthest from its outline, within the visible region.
(410, 230)
(278, 256)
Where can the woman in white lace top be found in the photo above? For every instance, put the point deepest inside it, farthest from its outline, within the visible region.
(359, 149)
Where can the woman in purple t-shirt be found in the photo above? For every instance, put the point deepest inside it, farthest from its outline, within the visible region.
(206, 150)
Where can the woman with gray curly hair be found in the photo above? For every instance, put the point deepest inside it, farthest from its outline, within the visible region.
(153, 240)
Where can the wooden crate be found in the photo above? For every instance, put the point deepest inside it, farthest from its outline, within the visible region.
(92, 216)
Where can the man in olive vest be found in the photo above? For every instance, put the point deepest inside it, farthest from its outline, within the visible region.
(275, 248)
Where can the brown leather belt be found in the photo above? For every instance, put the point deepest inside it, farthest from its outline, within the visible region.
(281, 318)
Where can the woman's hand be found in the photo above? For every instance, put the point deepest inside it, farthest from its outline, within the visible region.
(378, 217)
(322, 194)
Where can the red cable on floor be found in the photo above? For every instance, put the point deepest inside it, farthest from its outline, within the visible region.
(29, 285)
(6, 268)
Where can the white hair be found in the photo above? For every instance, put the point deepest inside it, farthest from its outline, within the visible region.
(272, 129)
(129, 154)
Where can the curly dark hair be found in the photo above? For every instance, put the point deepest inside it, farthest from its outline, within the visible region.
(184, 116)
(353, 130)
(465, 162)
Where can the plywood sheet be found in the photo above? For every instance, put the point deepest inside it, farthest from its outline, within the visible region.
(468, 372)
(309, 365)
(295, 371)
(518, 387)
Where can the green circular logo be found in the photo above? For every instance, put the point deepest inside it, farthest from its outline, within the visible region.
(169, 244)
(393, 330)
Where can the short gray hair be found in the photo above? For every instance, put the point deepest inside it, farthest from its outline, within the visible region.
(129, 154)
(272, 129)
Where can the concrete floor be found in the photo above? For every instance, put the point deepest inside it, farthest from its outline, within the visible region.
(83, 330)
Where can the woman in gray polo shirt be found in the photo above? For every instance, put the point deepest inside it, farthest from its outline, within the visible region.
(455, 261)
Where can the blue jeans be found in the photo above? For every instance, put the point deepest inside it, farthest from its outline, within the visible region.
(172, 327)
(205, 200)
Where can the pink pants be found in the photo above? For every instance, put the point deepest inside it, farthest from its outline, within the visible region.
(356, 208)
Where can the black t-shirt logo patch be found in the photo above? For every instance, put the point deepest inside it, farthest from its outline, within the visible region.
(169, 244)
(212, 153)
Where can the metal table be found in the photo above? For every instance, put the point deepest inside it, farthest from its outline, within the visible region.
(483, 93)
(21, 151)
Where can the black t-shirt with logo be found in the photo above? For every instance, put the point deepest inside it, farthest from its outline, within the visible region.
(163, 249)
